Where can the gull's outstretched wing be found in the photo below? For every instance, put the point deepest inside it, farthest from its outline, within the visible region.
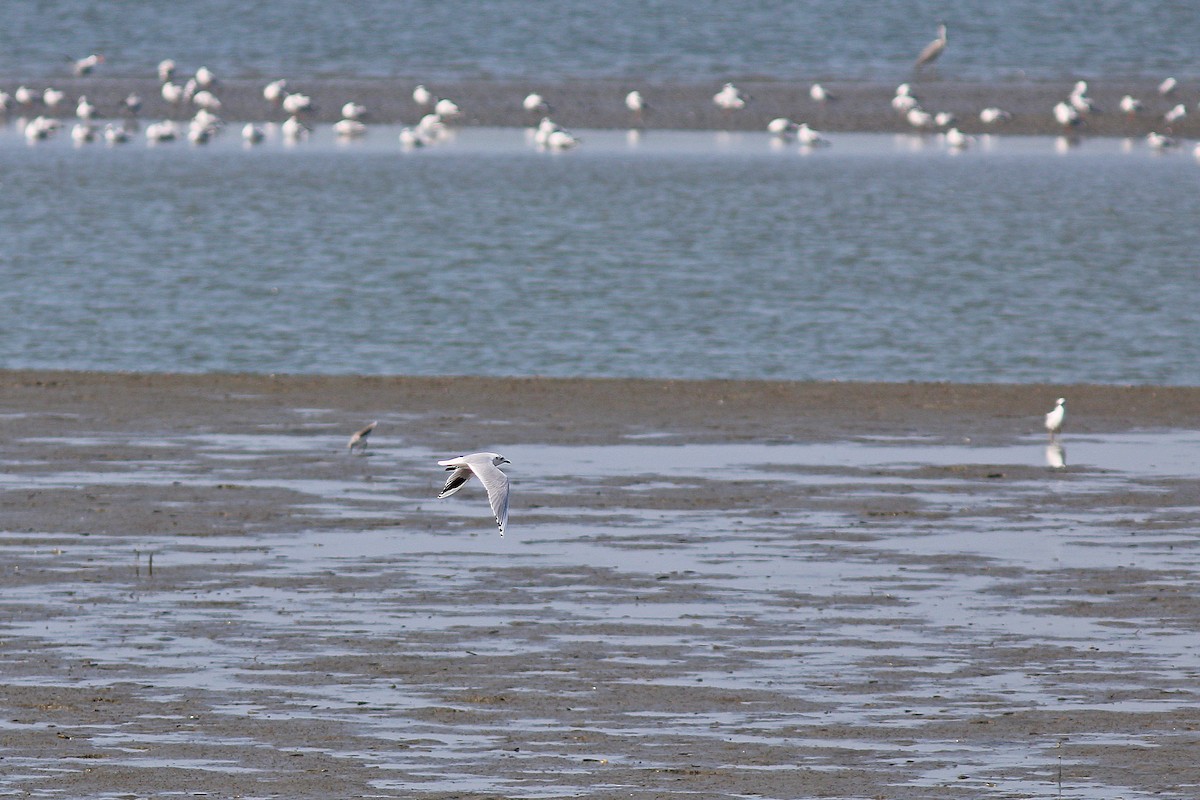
(496, 483)
(458, 478)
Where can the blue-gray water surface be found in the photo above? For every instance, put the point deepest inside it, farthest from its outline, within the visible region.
(670, 40)
(689, 255)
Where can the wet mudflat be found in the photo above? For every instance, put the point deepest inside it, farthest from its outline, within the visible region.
(706, 590)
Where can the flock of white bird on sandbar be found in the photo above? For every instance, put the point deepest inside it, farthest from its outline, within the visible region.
(200, 92)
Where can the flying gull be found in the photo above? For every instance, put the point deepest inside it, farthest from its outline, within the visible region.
(486, 467)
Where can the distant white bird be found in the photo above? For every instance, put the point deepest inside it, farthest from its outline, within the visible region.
(410, 138)
(115, 135)
(933, 49)
(359, 438)
(275, 91)
(354, 110)
(635, 102)
(1079, 99)
(991, 115)
(535, 103)
(1167, 87)
(199, 134)
(904, 101)
(1130, 105)
(820, 93)
(446, 108)
(132, 103)
(164, 131)
(781, 126)
(730, 98)
(83, 132)
(84, 109)
(422, 96)
(206, 100)
(40, 128)
(297, 103)
(52, 97)
(1159, 141)
(919, 118)
(166, 70)
(252, 134)
(1175, 114)
(431, 128)
(172, 93)
(293, 129)
(350, 128)
(957, 140)
(85, 65)
(561, 140)
(24, 96)
(808, 137)
(1054, 419)
(205, 78)
(944, 118)
(1065, 114)
(486, 467)
(545, 127)
(6, 101)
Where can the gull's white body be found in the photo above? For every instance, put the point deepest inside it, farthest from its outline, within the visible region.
(486, 467)
(729, 98)
(1054, 420)
(359, 439)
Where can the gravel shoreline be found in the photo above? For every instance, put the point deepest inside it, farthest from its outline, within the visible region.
(861, 107)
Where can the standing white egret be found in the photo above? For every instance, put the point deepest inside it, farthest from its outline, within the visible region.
(933, 49)
(1054, 419)
(486, 467)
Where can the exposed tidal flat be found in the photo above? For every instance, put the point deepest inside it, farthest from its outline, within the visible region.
(707, 589)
